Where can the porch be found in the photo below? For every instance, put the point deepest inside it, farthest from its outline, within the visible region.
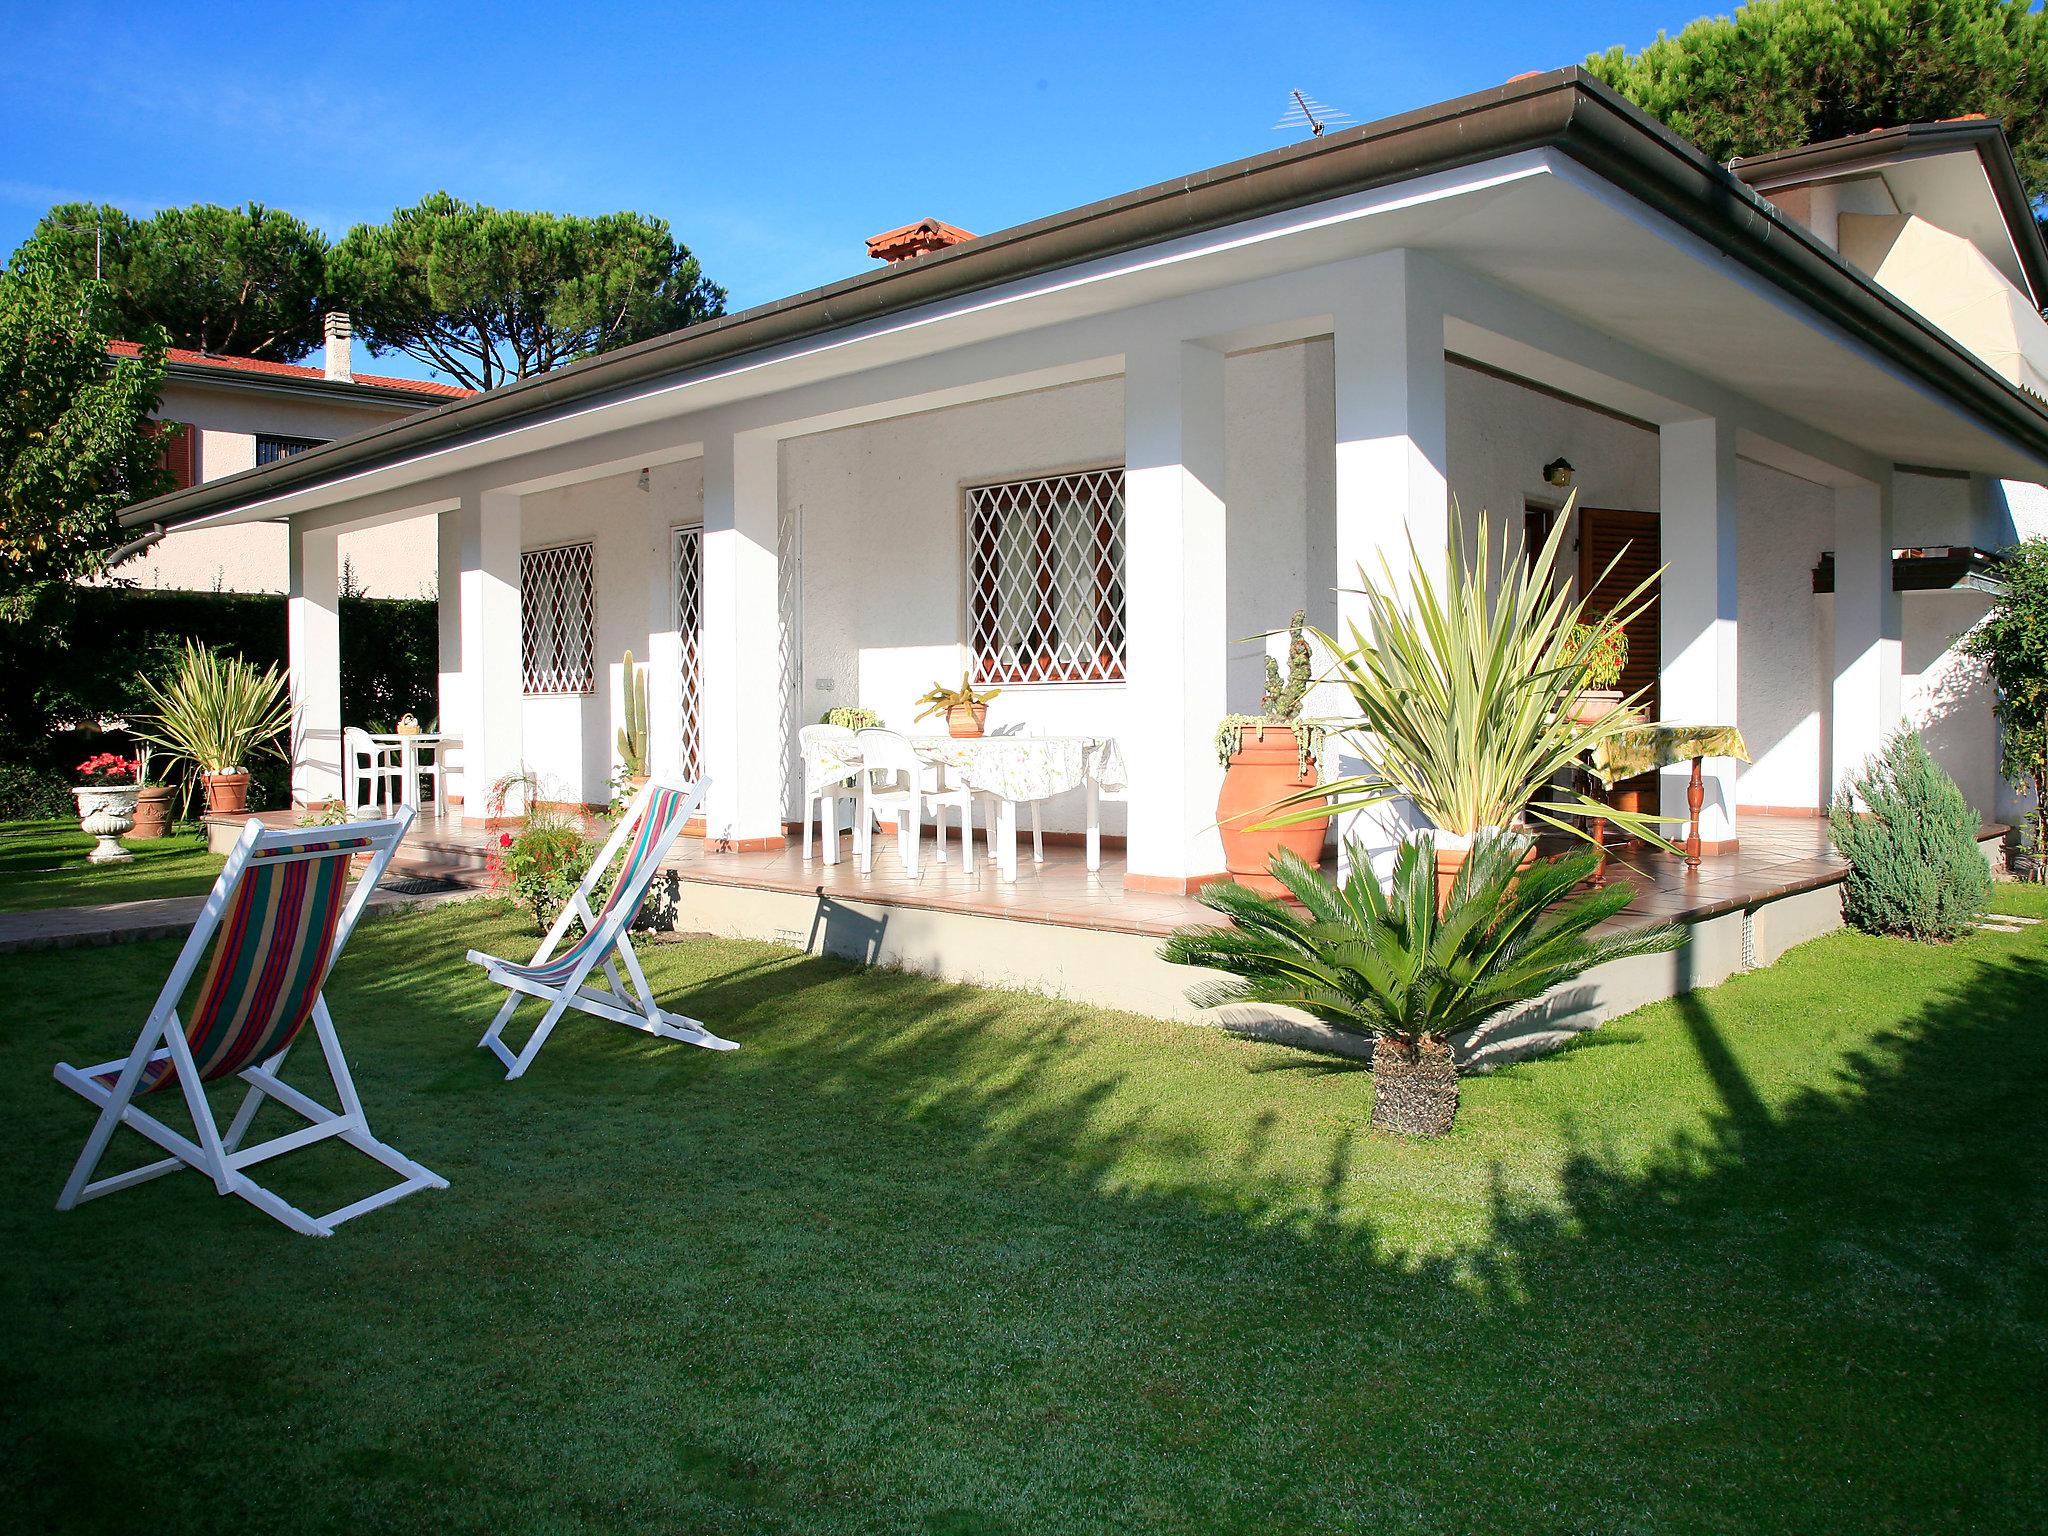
(1061, 930)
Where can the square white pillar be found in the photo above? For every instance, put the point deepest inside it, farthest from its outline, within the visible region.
(448, 620)
(1392, 482)
(313, 650)
(1178, 645)
(1697, 597)
(482, 536)
(1868, 630)
(743, 718)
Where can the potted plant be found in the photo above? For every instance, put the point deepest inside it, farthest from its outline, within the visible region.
(105, 793)
(1269, 759)
(1606, 647)
(965, 709)
(1462, 687)
(633, 731)
(1409, 970)
(217, 712)
(152, 801)
(851, 717)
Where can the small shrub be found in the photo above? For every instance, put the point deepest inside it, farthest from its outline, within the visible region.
(31, 793)
(1914, 866)
(539, 865)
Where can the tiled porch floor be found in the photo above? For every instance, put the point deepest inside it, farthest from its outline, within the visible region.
(1778, 855)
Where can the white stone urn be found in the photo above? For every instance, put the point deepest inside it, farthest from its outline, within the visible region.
(105, 811)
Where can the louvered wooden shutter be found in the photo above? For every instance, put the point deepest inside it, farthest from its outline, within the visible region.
(181, 451)
(1633, 537)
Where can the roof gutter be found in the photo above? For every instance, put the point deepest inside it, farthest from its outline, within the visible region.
(1566, 110)
(293, 387)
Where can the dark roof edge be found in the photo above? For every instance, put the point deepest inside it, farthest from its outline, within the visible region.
(1564, 109)
(353, 391)
(1985, 135)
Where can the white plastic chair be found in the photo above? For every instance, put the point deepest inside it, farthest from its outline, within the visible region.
(826, 749)
(1000, 819)
(904, 792)
(378, 762)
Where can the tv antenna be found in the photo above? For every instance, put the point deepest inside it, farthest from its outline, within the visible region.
(1306, 112)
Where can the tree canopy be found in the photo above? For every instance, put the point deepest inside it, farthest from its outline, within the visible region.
(76, 442)
(488, 295)
(1780, 73)
(2012, 645)
(246, 282)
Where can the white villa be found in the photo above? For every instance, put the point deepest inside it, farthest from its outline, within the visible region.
(1084, 458)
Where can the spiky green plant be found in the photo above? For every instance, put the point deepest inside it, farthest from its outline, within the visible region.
(217, 711)
(1386, 964)
(633, 731)
(1463, 684)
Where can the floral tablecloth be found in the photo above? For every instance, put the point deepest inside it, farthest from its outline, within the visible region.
(1638, 749)
(1021, 768)
(830, 758)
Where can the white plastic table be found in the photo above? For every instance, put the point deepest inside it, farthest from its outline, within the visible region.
(408, 744)
(1019, 770)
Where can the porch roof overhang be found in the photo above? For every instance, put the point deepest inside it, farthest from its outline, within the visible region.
(1646, 239)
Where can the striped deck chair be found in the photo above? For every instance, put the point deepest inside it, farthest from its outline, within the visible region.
(647, 831)
(277, 920)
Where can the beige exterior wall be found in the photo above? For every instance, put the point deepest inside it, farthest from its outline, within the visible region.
(394, 561)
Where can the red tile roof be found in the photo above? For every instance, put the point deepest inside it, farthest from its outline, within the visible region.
(915, 239)
(293, 370)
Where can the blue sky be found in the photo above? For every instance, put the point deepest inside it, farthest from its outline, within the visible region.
(772, 138)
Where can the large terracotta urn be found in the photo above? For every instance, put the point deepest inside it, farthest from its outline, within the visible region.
(153, 811)
(1265, 769)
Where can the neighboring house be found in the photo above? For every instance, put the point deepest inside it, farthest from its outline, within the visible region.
(1083, 458)
(241, 413)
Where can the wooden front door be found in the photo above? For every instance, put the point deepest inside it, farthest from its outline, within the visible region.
(1631, 541)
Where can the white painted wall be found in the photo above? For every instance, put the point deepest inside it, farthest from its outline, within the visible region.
(570, 742)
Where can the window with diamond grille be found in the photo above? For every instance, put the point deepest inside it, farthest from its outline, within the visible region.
(1045, 581)
(690, 634)
(558, 619)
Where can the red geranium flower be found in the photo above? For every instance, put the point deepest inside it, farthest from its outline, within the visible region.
(504, 839)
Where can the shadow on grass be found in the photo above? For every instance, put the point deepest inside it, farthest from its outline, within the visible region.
(924, 1258)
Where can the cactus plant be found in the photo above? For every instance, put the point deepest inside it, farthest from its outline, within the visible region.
(633, 733)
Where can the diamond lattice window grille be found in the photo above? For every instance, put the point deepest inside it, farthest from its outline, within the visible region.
(789, 607)
(1046, 579)
(558, 619)
(690, 636)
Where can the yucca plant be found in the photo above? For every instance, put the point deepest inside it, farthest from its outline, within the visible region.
(1463, 690)
(1389, 965)
(217, 711)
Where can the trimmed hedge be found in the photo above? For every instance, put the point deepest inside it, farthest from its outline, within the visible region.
(75, 663)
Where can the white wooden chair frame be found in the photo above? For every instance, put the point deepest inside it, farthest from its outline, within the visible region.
(636, 1009)
(221, 1156)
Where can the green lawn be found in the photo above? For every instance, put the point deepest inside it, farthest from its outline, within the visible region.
(922, 1258)
(42, 864)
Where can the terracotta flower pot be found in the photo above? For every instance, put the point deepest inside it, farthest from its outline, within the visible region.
(1264, 770)
(1450, 860)
(966, 719)
(227, 794)
(105, 813)
(1594, 705)
(153, 812)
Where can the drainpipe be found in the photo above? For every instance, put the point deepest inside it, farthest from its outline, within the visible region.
(136, 547)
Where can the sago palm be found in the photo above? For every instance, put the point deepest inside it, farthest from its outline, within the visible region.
(1389, 965)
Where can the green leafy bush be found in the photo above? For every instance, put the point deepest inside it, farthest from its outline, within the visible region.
(539, 865)
(32, 793)
(1911, 841)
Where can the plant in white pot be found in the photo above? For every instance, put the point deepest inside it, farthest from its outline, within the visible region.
(1465, 687)
(107, 786)
(217, 712)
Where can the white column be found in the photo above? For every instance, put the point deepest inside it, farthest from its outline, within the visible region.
(1868, 629)
(313, 648)
(448, 617)
(489, 690)
(1391, 478)
(1697, 598)
(742, 702)
(1178, 644)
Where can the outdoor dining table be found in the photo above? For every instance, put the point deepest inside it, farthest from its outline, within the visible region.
(409, 744)
(1016, 770)
(1652, 745)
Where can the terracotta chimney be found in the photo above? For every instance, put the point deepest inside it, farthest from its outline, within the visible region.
(893, 245)
(338, 333)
